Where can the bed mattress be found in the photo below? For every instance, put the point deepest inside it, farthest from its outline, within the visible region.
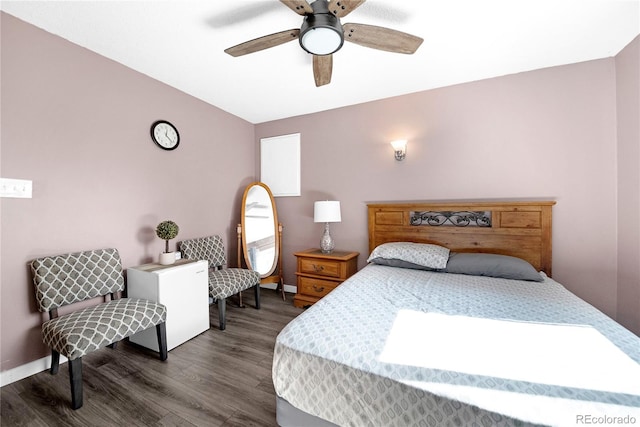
(400, 347)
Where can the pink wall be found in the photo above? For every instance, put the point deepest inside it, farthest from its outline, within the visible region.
(77, 124)
(549, 133)
(628, 108)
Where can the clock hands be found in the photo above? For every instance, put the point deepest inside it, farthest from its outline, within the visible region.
(165, 135)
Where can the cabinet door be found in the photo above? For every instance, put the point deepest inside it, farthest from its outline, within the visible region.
(185, 293)
(184, 290)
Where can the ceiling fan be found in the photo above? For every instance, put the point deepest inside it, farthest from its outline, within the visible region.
(322, 34)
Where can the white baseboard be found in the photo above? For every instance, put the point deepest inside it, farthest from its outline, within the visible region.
(23, 371)
(287, 288)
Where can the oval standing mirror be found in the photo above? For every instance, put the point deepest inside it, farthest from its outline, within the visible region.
(260, 230)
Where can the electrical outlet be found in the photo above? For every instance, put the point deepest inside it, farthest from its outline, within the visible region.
(18, 188)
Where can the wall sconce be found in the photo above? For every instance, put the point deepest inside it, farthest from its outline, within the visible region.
(327, 211)
(399, 148)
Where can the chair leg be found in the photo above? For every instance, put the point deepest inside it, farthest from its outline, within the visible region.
(222, 308)
(55, 362)
(161, 331)
(241, 305)
(75, 377)
(257, 292)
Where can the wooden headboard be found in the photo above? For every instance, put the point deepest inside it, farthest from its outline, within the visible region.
(521, 229)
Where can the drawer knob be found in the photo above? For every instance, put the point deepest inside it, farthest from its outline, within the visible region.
(317, 288)
(318, 268)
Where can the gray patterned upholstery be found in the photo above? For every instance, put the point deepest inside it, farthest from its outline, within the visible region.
(230, 281)
(208, 248)
(223, 282)
(66, 279)
(84, 331)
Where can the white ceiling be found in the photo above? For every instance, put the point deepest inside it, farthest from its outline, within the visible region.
(181, 43)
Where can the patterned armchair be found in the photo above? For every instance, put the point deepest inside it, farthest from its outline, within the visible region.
(223, 282)
(66, 279)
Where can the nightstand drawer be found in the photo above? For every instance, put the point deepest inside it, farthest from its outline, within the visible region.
(320, 267)
(319, 273)
(315, 287)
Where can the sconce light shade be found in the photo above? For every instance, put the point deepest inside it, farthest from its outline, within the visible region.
(399, 148)
(327, 211)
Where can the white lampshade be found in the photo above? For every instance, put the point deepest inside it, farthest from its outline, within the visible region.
(400, 144)
(326, 211)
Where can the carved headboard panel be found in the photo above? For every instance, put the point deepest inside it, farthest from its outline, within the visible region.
(521, 229)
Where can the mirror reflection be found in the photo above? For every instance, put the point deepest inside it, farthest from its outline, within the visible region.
(259, 229)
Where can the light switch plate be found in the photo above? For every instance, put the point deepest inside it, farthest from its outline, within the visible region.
(18, 188)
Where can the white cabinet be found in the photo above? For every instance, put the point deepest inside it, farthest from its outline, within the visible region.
(183, 288)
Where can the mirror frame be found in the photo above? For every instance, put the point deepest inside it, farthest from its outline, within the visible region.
(276, 225)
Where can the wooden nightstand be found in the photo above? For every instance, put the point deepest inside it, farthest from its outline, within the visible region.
(318, 273)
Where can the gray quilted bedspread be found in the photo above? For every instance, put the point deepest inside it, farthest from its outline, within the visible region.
(401, 347)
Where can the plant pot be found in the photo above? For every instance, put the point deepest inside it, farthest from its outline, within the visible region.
(167, 258)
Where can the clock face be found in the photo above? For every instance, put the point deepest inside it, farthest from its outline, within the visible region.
(165, 135)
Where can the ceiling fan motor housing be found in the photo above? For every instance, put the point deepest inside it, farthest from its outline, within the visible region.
(321, 32)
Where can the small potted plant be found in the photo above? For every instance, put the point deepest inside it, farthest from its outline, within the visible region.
(167, 230)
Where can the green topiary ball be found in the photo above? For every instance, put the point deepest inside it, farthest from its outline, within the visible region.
(167, 230)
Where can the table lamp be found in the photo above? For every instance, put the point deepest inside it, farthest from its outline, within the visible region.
(326, 211)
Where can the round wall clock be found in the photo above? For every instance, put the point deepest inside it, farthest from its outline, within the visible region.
(165, 135)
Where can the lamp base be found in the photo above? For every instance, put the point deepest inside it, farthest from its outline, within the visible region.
(326, 242)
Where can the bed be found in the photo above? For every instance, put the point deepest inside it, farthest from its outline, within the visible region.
(456, 321)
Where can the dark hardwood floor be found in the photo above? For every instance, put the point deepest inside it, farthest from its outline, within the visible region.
(219, 378)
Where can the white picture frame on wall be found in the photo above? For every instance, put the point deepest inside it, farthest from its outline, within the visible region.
(280, 164)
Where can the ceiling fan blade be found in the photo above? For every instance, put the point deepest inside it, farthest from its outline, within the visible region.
(341, 8)
(322, 68)
(381, 38)
(264, 42)
(301, 7)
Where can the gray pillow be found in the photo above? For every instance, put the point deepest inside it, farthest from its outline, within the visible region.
(401, 264)
(433, 257)
(492, 265)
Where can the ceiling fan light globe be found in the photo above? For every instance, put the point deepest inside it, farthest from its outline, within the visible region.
(321, 40)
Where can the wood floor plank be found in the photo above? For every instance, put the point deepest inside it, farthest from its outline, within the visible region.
(16, 412)
(179, 398)
(172, 420)
(219, 378)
